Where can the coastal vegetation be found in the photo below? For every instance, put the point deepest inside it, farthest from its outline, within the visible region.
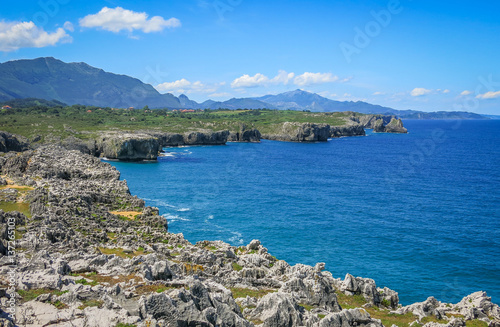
(85, 122)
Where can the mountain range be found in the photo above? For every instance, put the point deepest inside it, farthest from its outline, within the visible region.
(79, 83)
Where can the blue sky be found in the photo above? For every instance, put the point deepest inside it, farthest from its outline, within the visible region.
(422, 55)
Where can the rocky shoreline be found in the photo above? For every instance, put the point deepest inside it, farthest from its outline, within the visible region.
(147, 145)
(85, 252)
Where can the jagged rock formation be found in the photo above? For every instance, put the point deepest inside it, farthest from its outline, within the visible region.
(300, 132)
(10, 142)
(347, 130)
(206, 138)
(90, 254)
(395, 126)
(127, 146)
(381, 123)
(245, 135)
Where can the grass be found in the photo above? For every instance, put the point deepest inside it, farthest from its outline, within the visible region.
(146, 289)
(22, 207)
(350, 302)
(79, 123)
(306, 306)
(126, 215)
(101, 279)
(122, 253)
(236, 266)
(244, 292)
(28, 295)
(83, 281)
(91, 303)
(476, 323)
(59, 305)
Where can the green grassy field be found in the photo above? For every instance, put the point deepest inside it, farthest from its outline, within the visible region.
(86, 122)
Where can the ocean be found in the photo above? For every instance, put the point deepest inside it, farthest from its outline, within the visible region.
(418, 212)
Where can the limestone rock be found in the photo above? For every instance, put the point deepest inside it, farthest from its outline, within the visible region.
(300, 132)
(11, 142)
(128, 146)
(395, 126)
(352, 317)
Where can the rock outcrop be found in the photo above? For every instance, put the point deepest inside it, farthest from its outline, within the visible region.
(128, 146)
(245, 135)
(300, 132)
(381, 123)
(11, 142)
(347, 130)
(395, 126)
(205, 138)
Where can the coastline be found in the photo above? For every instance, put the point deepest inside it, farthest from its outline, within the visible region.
(74, 249)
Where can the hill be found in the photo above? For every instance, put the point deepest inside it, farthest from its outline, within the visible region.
(77, 83)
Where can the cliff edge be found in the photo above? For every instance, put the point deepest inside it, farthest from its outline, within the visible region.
(80, 250)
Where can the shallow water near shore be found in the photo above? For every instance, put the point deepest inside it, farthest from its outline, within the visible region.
(418, 213)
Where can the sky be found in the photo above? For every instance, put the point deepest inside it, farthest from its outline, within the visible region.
(405, 54)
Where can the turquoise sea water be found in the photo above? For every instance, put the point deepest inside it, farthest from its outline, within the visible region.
(419, 213)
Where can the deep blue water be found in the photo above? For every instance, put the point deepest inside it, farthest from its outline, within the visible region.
(419, 213)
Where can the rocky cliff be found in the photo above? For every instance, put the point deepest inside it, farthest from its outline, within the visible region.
(299, 132)
(10, 142)
(347, 130)
(84, 252)
(381, 123)
(128, 146)
(244, 134)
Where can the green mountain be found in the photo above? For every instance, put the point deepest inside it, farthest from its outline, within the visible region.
(77, 83)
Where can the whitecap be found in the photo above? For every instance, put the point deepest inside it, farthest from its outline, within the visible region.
(183, 209)
(172, 218)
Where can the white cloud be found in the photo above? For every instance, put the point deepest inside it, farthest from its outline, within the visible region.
(466, 92)
(489, 95)
(250, 81)
(314, 78)
(185, 86)
(283, 77)
(118, 19)
(446, 91)
(16, 35)
(419, 91)
(69, 26)
(378, 93)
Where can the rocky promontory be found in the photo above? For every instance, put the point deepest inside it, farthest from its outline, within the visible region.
(299, 132)
(80, 250)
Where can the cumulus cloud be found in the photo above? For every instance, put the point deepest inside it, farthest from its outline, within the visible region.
(118, 19)
(419, 91)
(185, 86)
(489, 95)
(314, 78)
(283, 77)
(16, 35)
(69, 26)
(466, 92)
(250, 81)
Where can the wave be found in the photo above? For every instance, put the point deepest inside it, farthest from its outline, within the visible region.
(183, 209)
(171, 218)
